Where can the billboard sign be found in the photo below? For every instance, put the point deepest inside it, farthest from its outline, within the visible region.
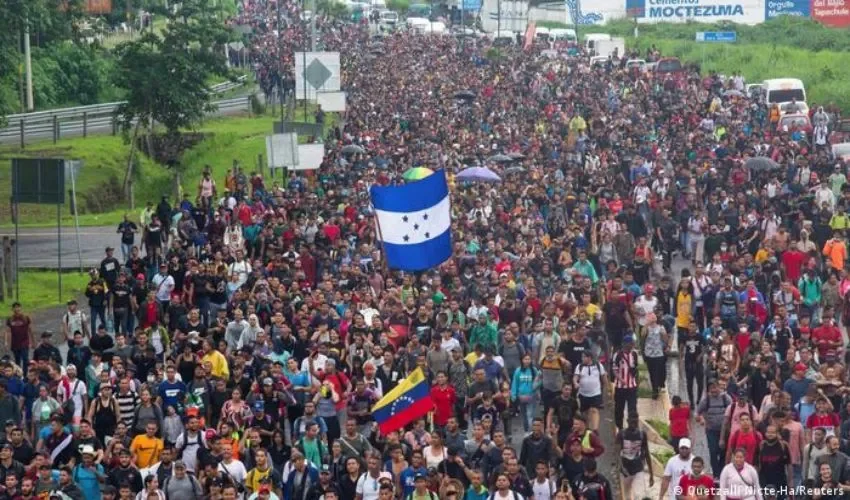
(705, 11)
(717, 36)
(797, 8)
(834, 13)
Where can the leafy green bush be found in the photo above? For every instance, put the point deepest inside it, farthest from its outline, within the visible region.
(72, 74)
(661, 427)
(782, 47)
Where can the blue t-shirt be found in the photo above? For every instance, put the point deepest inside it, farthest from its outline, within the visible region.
(172, 393)
(407, 479)
(87, 481)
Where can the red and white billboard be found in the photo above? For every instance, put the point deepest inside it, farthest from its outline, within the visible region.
(835, 13)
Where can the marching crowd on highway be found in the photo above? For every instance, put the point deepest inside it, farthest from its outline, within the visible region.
(235, 345)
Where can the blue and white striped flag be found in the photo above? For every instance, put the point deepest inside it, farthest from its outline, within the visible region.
(414, 222)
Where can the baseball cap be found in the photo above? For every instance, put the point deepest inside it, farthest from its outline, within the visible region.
(87, 449)
(628, 339)
(648, 288)
(385, 475)
(684, 443)
(800, 367)
(268, 381)
(179, 464)
(259, 406)
(327, 469)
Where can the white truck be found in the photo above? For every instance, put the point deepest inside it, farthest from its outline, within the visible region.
(614, 46)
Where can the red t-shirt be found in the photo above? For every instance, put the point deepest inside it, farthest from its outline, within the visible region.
(444, 400)
(830, 422)
(679, 417)
(748, 441)
(701, 487)
(793, 261)
(824, 332)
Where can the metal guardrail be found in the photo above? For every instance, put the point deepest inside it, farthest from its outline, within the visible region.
(96, 119)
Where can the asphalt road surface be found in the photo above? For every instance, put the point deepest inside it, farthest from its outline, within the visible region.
(39, 247)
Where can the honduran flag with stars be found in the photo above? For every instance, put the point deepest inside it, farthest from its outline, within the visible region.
(408, 401)
(414, 222)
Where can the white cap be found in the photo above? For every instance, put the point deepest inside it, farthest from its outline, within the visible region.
(684, 443)
(87, 449)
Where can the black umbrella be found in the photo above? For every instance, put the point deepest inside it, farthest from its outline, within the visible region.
(467, 95)
(500, 158)
(761, 164)
(517, 156)
(352, 149)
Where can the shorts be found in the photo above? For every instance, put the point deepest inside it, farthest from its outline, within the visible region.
(631, 467)
(588, 402)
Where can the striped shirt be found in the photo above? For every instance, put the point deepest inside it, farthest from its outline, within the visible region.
(625, 370)
(127, 406)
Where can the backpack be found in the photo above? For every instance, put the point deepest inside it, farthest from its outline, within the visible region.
(728, 426)
(195, 485)
(593, 491)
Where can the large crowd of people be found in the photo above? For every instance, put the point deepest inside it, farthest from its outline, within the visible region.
(236, 345)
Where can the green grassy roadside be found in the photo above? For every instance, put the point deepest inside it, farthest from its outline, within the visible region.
(99, 197)
(780, 48)
(40, 289)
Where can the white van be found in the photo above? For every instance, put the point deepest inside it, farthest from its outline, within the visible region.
(436, 28)
(562, 35)
(418, 24)
(590, 40)
(504, 38)
(542, 34)
(782, 90)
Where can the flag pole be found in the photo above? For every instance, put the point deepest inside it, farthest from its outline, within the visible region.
(381, 238)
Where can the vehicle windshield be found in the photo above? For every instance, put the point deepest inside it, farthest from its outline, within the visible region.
(668, 65)
(785, 95)
(799, 121)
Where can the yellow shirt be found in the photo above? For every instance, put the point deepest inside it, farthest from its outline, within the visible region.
(146, 450)
(472, 358)
(683, 310)
(761, 256)
(592, 310)
(255, 476)
(218, 363)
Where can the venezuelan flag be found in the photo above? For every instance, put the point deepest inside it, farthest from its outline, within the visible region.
(411, 399)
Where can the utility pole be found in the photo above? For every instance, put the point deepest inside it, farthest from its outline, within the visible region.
(28, 65)
(498, 18)
(279, 55)
(313, 41)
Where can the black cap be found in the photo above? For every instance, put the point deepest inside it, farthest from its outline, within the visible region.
(109, 249)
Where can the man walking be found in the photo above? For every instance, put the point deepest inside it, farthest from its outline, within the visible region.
(625, 366)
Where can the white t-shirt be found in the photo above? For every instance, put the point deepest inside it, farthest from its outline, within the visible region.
(543, 490)
(76, 391)
(163, 286)
(236, 470)
(367, 487)
(675, 469)
(318, 363)
(510, 495)
(589, 384)
(644, 306)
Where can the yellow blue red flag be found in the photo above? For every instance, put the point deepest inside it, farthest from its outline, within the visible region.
(408, 401)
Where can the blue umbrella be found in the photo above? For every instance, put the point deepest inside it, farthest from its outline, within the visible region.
(478, 174)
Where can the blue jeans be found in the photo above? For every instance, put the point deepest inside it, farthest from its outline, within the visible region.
(22, 357)
(204, 309)
(714, 451)
(528, 411)
(797, 475)
(97, 312)
(126, 251)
